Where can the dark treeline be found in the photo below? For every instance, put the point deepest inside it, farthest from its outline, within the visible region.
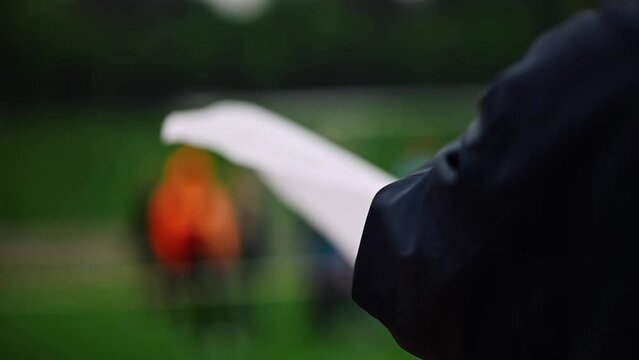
(94, 49)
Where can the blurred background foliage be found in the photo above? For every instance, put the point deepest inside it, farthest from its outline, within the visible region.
(127, 49)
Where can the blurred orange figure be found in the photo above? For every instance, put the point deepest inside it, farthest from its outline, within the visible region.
(191, 217)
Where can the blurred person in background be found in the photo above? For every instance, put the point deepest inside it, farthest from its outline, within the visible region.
(249, 198)
(194, 234)
(330, 281)
(519, 240)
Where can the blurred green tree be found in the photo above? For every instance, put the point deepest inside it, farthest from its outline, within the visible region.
(86, 49)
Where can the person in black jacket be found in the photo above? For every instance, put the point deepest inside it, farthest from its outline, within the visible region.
(521, 239)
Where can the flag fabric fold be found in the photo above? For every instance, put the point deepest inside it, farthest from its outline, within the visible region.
(328, 186)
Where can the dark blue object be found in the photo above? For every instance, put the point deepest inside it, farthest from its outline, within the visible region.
(521, 239)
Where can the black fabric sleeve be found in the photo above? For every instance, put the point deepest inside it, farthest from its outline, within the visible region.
(445, 259)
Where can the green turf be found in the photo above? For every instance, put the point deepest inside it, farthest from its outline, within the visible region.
(113, 323)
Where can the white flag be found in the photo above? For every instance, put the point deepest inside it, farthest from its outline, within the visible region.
(328, 186)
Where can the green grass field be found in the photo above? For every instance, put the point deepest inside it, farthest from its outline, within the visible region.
(72, 177)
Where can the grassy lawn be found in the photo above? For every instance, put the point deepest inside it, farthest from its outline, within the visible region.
(67, 324)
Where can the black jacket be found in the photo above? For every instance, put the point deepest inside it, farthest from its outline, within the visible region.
(521, 239)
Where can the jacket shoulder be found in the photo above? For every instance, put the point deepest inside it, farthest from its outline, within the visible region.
(566, 73)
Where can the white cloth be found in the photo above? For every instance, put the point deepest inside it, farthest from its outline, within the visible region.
(328, 186)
